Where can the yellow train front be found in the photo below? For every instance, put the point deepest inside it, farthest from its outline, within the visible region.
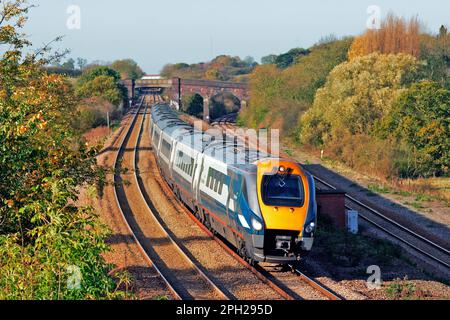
(282, 211)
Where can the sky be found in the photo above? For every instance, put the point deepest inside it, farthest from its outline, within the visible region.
(155, 33)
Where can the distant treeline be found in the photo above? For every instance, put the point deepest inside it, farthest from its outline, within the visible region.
(223, 67)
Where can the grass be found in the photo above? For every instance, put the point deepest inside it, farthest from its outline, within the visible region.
(401, 289)
(402, 193)
(288, 152)
(423, 197)
(414, 204)
(378, 188)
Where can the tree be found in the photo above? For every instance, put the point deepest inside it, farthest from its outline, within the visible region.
(44, 235)
(222, 67)
(249, 61)
(81, 63)
(296, 92)
(269, 59)
(101, 86)
(443, 32)
(193, 104)
(421, 118)
(92, 73)
(435, 52)
(212, 74)
(265, 85)
(356, 95)
(127, 68)
(286, 59)
(69, 64)
(395, 36)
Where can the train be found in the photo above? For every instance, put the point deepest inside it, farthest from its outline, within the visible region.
(263, 205)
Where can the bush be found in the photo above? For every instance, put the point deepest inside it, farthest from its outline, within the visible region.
(421, 118)
(222, 104)
(192, 104)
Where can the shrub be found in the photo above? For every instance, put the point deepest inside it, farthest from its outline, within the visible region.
(192, 104)
(421, 118)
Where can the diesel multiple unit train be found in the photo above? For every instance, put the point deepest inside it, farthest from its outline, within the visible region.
(263, 205)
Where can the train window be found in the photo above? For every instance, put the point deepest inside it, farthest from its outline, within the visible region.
(215, 180)
(185, 163)
(166, 148)
(156, 137)
(282, 190)
(249, 192)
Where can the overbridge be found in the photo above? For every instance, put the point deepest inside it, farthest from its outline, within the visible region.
(176, 87)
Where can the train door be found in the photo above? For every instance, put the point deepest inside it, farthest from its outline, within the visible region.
(197, 173)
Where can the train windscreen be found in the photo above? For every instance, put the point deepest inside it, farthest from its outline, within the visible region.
(283, 190)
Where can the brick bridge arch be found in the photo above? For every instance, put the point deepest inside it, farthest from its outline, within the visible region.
(207, 89)
(176, 87)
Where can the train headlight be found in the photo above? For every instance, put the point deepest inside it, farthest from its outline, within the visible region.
(256, 225)
(310, 227)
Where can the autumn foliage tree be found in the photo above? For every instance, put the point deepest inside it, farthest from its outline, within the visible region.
(45, 239)
(127, 68)
(395, 35)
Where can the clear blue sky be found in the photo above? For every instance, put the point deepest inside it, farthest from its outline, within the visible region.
(158, 32)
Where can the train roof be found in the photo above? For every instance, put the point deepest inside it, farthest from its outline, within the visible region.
(224, 148)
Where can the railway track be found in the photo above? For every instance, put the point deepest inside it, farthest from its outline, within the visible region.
(183, 277)
(419, 243)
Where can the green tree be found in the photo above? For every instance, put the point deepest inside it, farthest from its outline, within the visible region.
(192, 104)
(69, 64)
(128, 69)
(269, 59)
(102, 86)
(265, 85)
(91, 73)
(421, 118)
(435, 52)
(222, 67)
(81, 63)
(286, 59)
